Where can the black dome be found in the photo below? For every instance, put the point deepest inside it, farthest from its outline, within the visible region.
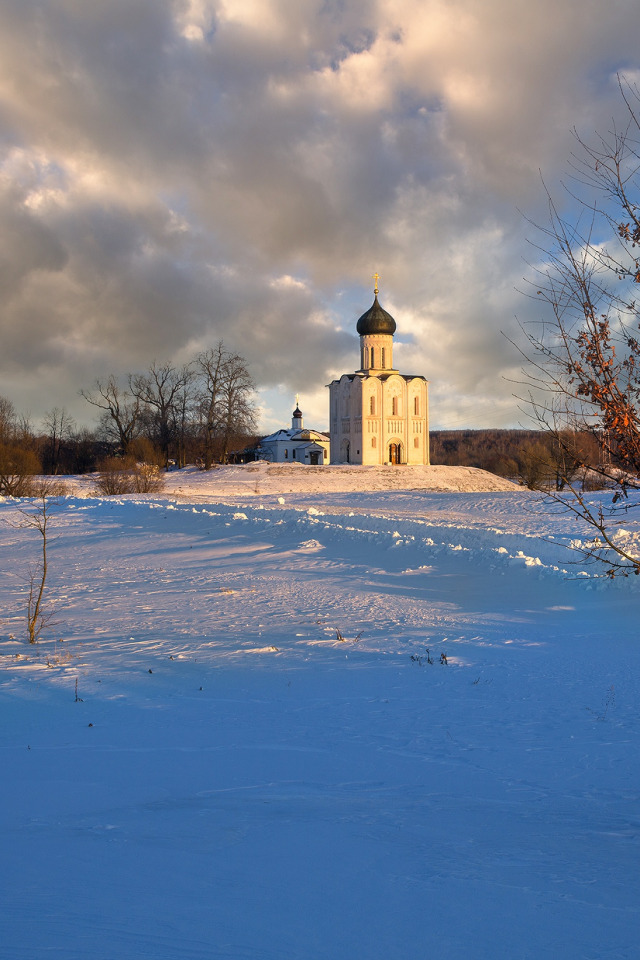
(376, 320)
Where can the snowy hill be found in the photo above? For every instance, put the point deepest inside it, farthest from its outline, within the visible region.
(262, 478)
(316, 723)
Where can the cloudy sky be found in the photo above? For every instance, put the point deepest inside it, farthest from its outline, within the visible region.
(173, 172)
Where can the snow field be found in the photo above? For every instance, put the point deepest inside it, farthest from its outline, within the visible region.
(235, 781)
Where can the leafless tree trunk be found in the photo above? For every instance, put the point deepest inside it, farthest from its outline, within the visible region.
(59, 424)
(226, 400)
(38, 519)
(160, 390)
(209, 367)
(238, 408)
(7, 420)
(122, 410)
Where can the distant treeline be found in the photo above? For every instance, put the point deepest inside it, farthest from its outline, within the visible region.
(204, 415)
(533, 457)
(62, 448)
(494, 450)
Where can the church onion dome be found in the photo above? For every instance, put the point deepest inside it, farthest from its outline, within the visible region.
(376, 320)
(297, 413)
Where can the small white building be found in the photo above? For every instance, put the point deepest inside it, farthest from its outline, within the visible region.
(377, 414)
(296, 445)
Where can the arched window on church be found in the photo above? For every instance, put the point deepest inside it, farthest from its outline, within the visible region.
(374, 442)
(372, 406)
(416, 406)
(286, 454)
(383, 361)
(372, 364)
(416, 441)
(394, 406)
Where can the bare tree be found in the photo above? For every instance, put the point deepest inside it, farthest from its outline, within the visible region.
(18, 468)
(38, 518)
(210, 371)
(182, 421)
(198, 410)
(121, 410)
(161, 390)
(59, 424)
(239, 418)
(18, 460)
(225, 401)
(7, 420)
(585, 360)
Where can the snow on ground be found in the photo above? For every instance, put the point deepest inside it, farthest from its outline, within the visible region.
(262, 478)
(263, 763)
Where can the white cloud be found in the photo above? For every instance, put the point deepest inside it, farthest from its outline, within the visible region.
(176, 172)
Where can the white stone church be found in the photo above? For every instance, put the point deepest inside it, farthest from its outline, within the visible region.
(377, 414)
(297, 445)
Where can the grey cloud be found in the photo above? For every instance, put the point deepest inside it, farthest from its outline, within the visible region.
(167, 165)
(27, 244)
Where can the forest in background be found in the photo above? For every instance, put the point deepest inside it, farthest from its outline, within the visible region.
(536, 458)
(186, 433)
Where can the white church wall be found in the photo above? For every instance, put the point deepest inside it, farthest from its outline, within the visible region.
(377, 415)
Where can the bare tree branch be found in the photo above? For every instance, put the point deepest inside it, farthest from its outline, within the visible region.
(583, 370)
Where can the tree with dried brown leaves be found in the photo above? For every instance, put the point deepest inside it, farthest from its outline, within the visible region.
(584, 362)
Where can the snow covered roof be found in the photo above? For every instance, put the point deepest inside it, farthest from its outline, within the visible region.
(295, 436)
(279, 435)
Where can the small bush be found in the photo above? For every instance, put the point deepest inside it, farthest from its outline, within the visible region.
(49, 487)
(118, 476)
(143, 451)
(147, 478)
(114, 477)
(18, 469)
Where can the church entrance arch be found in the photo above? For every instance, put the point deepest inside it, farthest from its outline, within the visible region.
(395, 453)
(346, 449)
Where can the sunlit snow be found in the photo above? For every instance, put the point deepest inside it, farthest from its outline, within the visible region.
(267, 754)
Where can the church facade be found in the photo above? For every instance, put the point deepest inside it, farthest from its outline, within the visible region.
(297, 445)
(377, 414)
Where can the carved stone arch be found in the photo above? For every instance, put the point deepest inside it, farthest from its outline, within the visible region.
(396, 452)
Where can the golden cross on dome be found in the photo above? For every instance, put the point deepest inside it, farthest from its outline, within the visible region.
(297, 399)
(376, 278)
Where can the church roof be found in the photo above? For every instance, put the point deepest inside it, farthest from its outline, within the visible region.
(376, 320)
(295, 436)
(279, 435)
(310, 435)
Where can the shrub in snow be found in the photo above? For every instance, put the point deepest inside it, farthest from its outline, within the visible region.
(120, 475)
(17, 469)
